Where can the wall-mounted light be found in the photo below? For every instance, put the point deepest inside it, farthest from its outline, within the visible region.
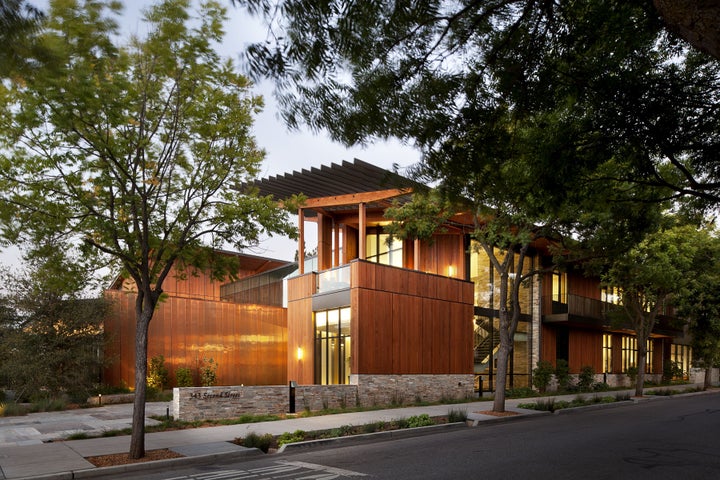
(451, 271)
(299, 353)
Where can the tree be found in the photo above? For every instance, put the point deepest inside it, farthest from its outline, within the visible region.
(594, 80)
(699, 304)
(19, 20)
(649, 277)
(138, 151)
(52, 338)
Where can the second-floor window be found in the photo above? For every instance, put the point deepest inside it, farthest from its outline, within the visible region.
(559, 287)
(380, 248)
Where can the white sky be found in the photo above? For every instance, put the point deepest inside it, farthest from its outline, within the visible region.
(286, 151)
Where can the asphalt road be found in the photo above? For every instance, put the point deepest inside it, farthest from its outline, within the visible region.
(667, 438)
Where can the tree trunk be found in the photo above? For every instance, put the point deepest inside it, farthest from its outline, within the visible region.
(697, 22)
(642, 361)
(501, 377)
(137, 440)
(708, 378)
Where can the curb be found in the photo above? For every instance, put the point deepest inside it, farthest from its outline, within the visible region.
(147, 466)
(369, 437)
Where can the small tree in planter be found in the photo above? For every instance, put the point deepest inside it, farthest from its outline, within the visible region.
(184, 377)
(562, 374)
(542, 375)
(208, 372)
(586, 378)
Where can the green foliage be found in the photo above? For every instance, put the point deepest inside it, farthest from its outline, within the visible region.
(542, 375)
(136, 149)
(157, 376)
(562, 373)
(422, 420)
(294, 437)
(50, 336)
(261, 442)
(183, 377)
(521, 392)
(12, 409)
(632, 373)
(208, 372)
(586, 378)
(455, 415)
(671, 370)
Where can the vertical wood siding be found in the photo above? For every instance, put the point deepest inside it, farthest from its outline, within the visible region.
(409, 322)
(585, 350)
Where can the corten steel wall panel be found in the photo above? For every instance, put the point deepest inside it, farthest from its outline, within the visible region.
(585, 349)
(548, 345)
(249, 343)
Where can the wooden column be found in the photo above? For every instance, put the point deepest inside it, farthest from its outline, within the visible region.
(361, 233)
(324, 227)
(301, 241)
(416, 254)
(336, 252)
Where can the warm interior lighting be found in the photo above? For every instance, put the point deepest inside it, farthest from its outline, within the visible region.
(299, 353)
(451, 271)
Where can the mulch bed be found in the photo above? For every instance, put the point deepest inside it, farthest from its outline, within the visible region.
(124, 459)
(498, 414)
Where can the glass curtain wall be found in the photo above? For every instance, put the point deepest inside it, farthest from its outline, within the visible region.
(332, 346)
(486, 322)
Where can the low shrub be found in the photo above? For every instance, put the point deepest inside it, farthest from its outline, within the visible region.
(457, 415)
(294, 437)
(542, 375)
(419, 421)
(521, 392)
(586, 378)
(183, 377)
(12, 409)
(261, 442)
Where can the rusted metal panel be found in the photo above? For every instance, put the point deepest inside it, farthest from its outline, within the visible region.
(248, 342)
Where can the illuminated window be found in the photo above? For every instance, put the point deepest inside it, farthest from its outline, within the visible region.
(559, 287)
(607, 353)
(629, 353)
(649, 358)
(332, 346)
(610, 295)
(681, 356)
(381, 248)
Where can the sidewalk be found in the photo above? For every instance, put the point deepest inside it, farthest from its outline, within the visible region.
(25, 450)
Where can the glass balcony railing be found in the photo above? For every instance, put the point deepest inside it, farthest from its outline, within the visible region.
(337, 278)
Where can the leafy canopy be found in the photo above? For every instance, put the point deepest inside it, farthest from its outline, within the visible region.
(136, 149)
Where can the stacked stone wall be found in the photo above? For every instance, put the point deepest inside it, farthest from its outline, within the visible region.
(214, 403)
(380, 390)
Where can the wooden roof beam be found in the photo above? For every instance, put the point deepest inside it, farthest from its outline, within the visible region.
(354, 198)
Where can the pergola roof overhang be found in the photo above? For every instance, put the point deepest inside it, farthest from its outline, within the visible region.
(339, 185)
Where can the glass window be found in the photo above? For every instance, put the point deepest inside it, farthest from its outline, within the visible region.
(681, 356)
(559, 287)
(607, 353)
(629, 352)
(332, 346)
(382, 248)
(649, 368)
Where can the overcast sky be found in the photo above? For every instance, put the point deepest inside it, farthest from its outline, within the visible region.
(286, 151)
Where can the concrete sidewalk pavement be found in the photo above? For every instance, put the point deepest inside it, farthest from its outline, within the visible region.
(25, 454)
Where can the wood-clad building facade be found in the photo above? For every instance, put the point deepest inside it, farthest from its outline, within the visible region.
(375, 308)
